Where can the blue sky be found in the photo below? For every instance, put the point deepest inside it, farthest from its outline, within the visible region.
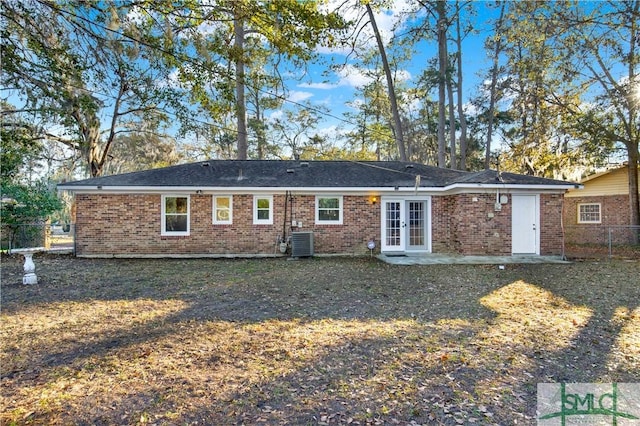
(336, 90)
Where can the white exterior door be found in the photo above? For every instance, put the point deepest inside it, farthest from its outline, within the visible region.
(525, 228)
(405, 225)
(393, 225)
(417, 220)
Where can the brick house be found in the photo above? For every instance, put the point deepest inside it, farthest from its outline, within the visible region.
(266, 208)
(601, 204)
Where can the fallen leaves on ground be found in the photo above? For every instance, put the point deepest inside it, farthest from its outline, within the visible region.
(320, 341)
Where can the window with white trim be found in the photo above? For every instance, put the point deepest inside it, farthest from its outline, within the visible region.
(222, 209)
(329, 210)
(175, 215)
(589, 213)
(263, 210)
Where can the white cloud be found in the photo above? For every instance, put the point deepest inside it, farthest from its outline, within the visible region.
(351, 76)
(413, 104)
(319, 86)
(470, 109)
(135, 16)
(172, 80)
(330, 131)
(298, 96)
(386, 19)
(348, 76)
(355, 104)
(402, 75)
(276, 115)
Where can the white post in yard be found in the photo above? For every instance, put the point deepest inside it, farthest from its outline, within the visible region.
(30, 276)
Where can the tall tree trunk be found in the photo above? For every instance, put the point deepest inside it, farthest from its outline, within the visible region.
(442, 75)
(398, 134)
(261, 140)
(241, 107)
(89, 127)
(94, 156)
(452, 124)
(461, 116)
(633, 131)
(634, 199)
(492, 90)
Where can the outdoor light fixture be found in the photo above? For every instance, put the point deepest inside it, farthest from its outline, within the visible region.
(371, 245)
(373, 199)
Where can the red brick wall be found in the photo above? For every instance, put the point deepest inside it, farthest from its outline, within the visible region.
(468, 224)
(441, 211)
(119, 224)
(551, 234)
(614, 210)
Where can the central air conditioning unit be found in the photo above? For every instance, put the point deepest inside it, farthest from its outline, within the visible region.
(301, 244)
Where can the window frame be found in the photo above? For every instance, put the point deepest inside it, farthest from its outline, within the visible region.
(256, 220)
(340, 210)
(163, 219)
(581, 221)
(214, 209)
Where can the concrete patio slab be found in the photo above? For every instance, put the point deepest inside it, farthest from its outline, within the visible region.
(452, 259)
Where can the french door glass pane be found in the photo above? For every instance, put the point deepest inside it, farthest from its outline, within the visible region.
(416, 223)
(392, 219)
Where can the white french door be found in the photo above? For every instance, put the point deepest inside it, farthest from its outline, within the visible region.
(393, 224)
(405, 225)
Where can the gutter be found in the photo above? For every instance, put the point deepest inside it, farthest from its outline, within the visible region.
(301, 190)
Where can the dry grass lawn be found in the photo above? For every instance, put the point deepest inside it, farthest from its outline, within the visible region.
(318, 341)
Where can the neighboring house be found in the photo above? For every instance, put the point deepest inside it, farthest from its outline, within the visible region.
(602, 204)
(233, 207)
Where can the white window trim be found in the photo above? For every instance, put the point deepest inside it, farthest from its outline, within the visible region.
(257, 221)
(163, 221)
(340, 207)
(590, 204)
(229, 220)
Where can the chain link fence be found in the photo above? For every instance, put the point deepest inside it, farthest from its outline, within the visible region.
(54, 237)
(600, 242)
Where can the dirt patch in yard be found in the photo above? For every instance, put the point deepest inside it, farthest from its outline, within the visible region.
(318, 341)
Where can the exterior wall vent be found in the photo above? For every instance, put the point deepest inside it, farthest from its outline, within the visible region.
(301, 244)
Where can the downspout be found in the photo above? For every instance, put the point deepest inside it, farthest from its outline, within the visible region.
(291, 209)
(283, 240)
(564, 257)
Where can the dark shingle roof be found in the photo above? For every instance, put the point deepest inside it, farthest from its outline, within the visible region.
(303, 174)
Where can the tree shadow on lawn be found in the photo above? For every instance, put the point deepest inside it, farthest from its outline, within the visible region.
(230, 291)
(313, 288)
(329, 340)
(487, 373)
(607, 347)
